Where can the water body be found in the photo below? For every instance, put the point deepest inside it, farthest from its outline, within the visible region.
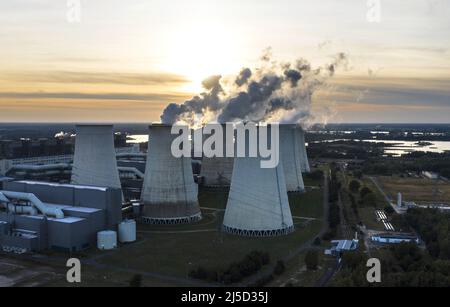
(399, 148)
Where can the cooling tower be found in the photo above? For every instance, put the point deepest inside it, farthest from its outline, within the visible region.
(258, 203)
(291, 156)
(304, 155)
(169, 193)
(95, 157)
(217, 171)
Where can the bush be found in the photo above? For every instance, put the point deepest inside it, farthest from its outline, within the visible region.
(317, 241)
(312, 260)
(354, 186)
(364, 191)
(279, 268)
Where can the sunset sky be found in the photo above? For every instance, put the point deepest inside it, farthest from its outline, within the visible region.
(126, 60)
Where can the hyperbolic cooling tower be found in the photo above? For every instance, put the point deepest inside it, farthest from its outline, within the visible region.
(258, 203)
(291, 156)
(217, 171)
(95, 157)
(169, 193)
(304, 155)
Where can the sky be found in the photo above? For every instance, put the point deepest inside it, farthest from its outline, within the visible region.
(124, 61)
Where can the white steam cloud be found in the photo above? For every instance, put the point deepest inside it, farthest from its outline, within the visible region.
(272, 92)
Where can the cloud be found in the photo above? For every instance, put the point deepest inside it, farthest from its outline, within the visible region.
(94, 77)
(393, 92)
(92, 96)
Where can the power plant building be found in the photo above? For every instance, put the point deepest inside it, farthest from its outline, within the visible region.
(258, 204)
(36, 216)
(217, 171)
(291, 156)
(95, 161)
(304, 154)
(169, 193)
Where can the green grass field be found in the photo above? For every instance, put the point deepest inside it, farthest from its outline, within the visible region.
(173, 250)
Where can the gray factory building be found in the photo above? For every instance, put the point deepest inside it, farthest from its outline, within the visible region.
(37, 216)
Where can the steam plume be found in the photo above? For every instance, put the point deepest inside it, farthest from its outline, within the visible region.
(271, 92)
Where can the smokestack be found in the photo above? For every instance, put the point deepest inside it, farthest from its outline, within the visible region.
(217, 171)
(291, 157)
(169, 193)
(304, 154)
(95, 157)
(258, 204)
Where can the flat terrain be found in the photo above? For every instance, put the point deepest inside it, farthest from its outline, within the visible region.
(164, 254)
(15, 272)
(419, 190)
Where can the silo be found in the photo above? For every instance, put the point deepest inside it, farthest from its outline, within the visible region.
(169, 193)
(258, 204)
(304, 154)
(291, 156)
(217, 171)
(95, 157)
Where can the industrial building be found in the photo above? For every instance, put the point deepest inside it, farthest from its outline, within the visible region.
(394, 238)
(258, 202)
(217, 171)
(37, 216)
(291, 156)
(303, 154)
(169, 194)
(95, 157)
(338, 247)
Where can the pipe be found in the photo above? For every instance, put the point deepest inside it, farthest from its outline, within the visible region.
(5, 203)
(41, 167)
(45, 210)
(133, 170)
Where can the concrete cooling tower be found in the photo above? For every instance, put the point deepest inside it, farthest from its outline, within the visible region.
(304, 155)
(217, 171)
(95, 157)
(169, 193)
(258, 204)
(291, 156)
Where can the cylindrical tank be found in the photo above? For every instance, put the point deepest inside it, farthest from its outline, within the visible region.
(127, 231)
(106, 240)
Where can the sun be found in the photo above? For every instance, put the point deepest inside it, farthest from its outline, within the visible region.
(199, 51)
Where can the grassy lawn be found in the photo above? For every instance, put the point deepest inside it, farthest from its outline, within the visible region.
(308, 204)
(174, 250)
(419, 190)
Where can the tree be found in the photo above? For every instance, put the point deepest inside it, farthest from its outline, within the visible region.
(136, 281)
(317, 241)
(364, 191)
(279, 268)
(312, 260)
(354, 186)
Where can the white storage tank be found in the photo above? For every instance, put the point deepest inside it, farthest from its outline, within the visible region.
(127, 231)
(106, 240)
